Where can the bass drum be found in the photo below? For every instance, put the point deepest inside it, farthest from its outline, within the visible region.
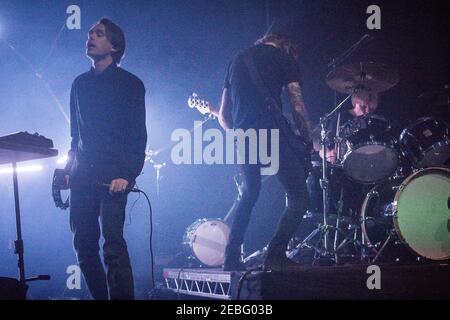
(206, 240)
(412, 217)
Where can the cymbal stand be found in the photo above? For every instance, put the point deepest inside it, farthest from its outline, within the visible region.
(324, 182)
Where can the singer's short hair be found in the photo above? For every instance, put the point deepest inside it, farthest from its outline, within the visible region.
(116, 36)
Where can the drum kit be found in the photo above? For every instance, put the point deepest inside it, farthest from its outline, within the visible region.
(404, 181)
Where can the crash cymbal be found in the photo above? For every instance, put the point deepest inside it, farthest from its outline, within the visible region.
(370, 76)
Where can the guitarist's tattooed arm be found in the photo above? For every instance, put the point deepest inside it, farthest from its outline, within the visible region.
(299, 112)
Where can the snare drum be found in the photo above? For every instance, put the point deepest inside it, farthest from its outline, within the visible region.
(412, 217)
(426, 142)
(206, 240)
(371, 155)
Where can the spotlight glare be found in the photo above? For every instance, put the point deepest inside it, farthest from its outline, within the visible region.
(62, 160)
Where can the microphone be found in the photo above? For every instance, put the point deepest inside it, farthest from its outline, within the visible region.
(127, 189)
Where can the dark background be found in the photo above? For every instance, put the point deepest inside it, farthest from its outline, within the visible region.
(177, 47)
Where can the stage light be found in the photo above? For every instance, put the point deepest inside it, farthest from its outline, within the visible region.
(21, 169)
(62, 160)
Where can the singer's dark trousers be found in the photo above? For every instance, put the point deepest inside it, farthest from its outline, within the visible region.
(94, 212)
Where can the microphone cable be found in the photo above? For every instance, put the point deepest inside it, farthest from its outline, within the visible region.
(152, 265)
(137, 190)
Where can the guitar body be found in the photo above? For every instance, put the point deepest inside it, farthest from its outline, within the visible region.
(299, 147)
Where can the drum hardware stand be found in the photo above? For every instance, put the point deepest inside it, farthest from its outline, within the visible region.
(382, 248)
(322, 248)
(149, 156)
(339, 212)
(350, 238)
(324, 182)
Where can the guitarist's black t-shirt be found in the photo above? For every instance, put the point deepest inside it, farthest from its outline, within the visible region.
(276, 69)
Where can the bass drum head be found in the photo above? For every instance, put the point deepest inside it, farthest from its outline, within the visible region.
(207, 240)
(377, 224)
(422, 218)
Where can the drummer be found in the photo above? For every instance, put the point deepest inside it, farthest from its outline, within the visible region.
(363, 103)
(341, 189)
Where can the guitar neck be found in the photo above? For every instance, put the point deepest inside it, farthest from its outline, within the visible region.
(214, 111)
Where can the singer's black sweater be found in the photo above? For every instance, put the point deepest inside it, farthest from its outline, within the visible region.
(108, 131)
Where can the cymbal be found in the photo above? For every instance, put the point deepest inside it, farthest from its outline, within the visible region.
(370, 76)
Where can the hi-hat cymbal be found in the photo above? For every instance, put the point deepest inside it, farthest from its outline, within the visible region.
(370, 76)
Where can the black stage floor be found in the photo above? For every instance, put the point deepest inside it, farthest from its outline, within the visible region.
(350, 282)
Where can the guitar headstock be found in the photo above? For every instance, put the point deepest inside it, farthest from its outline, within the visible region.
(201, 105)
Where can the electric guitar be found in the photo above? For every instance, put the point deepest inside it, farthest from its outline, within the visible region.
(203, 106)
(295, 140)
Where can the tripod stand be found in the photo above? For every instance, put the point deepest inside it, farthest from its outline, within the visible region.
(11, 152)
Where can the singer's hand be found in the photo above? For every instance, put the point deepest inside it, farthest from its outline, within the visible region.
(118, 185)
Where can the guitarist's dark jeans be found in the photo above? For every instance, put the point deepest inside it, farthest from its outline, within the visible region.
(90, 208)
(292, 174)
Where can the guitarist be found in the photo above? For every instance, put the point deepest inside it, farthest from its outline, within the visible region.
(246, 105)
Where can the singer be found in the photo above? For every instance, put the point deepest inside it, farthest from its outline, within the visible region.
(107, 111)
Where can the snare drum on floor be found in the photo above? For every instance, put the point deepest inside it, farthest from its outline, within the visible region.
(206, 240)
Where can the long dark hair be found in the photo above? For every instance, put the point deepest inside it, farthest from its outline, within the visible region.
(284, 43)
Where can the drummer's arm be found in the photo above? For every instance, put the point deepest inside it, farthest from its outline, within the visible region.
(299, 112)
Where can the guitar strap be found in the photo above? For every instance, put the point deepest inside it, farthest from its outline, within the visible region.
(272, 107)
(255, 76)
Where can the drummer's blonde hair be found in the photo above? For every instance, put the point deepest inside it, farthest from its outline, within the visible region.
(370, 98)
